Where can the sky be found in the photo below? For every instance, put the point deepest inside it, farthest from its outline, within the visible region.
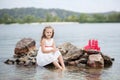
(88, 6)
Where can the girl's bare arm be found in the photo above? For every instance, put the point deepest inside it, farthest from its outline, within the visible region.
(54, 46)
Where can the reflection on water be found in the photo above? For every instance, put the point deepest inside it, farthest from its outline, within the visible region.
(85, 73)
(14, 72)
(93, 74)
(46, 74)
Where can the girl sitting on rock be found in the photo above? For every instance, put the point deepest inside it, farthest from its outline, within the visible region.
(48, 53)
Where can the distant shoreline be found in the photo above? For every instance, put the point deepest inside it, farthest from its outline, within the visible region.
(48, 23)
(57, 23)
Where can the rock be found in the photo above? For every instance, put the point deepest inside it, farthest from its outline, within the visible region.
(95, 60)
(67, 48)
(69, 51)
(29, 59)
(25, 53)
(24, 46)
(9, 61)
(107, 61)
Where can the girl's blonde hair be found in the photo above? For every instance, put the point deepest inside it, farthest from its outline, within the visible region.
(43, 34)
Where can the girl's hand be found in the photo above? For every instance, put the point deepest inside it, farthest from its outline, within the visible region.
(54, 50)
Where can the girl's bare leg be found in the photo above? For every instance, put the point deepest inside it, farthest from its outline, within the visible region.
(60, 58)
(56, 64)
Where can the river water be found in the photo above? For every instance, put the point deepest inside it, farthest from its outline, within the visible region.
(108, 35)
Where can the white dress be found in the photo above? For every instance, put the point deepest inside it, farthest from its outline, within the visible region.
(47, 58)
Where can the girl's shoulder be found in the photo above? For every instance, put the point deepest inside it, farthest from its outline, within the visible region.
(43, 40)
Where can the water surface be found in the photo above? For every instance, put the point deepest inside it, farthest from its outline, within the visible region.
(108, 35)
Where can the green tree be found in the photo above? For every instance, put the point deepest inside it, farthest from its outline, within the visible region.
(72, 18)
(83, 18)
(56, 19)
(114, 17)
(99, 18)
(48, 17)
(29, 19)
(7, 19)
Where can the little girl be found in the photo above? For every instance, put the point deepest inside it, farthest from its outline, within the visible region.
(48, 53)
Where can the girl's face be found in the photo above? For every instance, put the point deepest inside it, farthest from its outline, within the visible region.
(48, 33)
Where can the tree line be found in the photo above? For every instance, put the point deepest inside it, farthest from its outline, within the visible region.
(32, 15)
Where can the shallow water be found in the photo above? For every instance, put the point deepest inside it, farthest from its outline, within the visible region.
(108, 35)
